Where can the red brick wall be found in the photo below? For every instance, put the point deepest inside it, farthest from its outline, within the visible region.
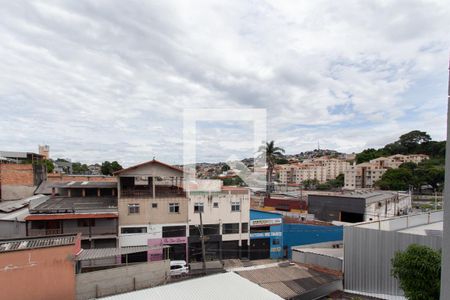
(16, 174)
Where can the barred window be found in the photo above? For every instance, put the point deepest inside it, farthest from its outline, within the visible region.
(133, 208)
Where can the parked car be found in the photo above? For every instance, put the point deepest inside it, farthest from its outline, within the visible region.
(178, 267)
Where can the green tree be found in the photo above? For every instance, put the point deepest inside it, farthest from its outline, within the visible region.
(50, 166)
(412, 139)
(79, 168)
(367, 155)
(272, 153)
(108, 168)
(418, 270)
(310, 184)
(396, 179)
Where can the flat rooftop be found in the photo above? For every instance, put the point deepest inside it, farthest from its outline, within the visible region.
(427, 223)
(369, 197)
(76, 205)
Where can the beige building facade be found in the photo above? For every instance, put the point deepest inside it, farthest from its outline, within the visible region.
(365, 175)
(321, 169)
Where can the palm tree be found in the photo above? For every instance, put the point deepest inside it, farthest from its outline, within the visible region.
(272, 153)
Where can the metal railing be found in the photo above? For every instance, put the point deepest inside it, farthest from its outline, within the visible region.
(159, 193)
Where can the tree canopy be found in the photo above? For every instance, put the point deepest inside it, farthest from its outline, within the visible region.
(108, 168)
(418, 270)
(413, 142)
(429, 172)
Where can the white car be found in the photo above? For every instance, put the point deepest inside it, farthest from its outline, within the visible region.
(178, 267)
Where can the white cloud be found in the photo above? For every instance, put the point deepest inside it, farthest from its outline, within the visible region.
(109, 80)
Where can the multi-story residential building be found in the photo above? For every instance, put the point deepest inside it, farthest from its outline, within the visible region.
(156, 208)
(365, 175)
(89, 208)
(225, 216)
(153, 209)
(321, 169)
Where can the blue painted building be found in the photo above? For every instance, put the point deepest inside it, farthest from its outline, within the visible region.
(266, 235)
(305, 234)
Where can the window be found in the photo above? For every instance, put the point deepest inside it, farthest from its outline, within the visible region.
(198, 207)
(154, 205)
(173, 231)
(235, 206)
(126, 230)
(208, 229)
(275, 241)
(174, 208)
(230, 228)
(244, 227)
(216, 204)
(133, 208)
(37, 225)
(260, 229)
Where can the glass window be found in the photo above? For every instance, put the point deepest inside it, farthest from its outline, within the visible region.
(275, 241)
(198, 207)
(133, 230)
(174, 208)
(173, 231)
(244, 227)
(216, 204)
(235, 206)
(133, 208)
(230, 228)
(154, 205)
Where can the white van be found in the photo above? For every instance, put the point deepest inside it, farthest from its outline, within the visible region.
(178, 267)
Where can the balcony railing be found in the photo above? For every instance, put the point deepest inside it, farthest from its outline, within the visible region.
(160, 192)
(38, 232)
(95, 230)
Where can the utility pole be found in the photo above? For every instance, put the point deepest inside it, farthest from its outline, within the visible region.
(202, 238)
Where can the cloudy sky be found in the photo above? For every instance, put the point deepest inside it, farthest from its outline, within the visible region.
(101, 80)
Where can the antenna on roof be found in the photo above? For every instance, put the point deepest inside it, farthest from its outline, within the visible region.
(153, 157)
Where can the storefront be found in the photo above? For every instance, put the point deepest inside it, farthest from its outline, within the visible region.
(266, 235)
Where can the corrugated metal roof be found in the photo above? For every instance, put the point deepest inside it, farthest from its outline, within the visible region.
(223, 286)
(110, 252)
(84, 184)
(39, 242)
(290, 281)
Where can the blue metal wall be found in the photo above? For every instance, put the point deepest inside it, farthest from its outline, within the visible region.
(276, 232)
(302, 234)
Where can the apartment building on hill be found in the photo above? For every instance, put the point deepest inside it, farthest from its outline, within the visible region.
(321, 169)
(365, 175)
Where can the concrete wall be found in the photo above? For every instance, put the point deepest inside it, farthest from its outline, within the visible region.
(12, 229)
(149, 215)
(327, 262)
(122, 279)
(38, 274)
